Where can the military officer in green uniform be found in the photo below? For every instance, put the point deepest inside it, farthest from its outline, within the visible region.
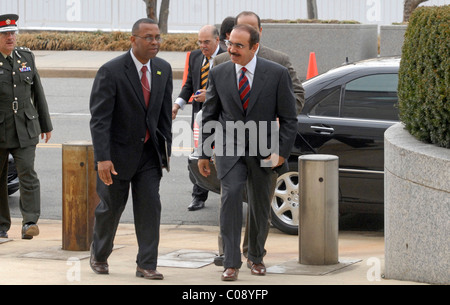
(24, 116)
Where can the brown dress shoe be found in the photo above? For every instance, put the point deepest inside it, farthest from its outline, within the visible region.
(29, 230)
(257, 269)
(230, 274)
(98, 267)
(148, 274)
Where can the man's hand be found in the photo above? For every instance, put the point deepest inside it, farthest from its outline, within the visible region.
(201, 97)
(105, 169)
(47, 136)
(275, 160)
(175, 109)
(203, 167)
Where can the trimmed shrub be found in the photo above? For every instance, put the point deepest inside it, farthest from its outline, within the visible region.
(424, 77)
(99, 41)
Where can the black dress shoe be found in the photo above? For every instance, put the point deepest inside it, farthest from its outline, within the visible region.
(196, 205)
(3, 234)
(29, 230)
(98, 267)
(218, 260)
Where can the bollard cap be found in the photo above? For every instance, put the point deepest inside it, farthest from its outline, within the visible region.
(318, 157)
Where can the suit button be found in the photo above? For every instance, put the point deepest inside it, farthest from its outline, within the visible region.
(142, 139)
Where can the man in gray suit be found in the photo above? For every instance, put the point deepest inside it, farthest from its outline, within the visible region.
(252, 93)
(253, 20)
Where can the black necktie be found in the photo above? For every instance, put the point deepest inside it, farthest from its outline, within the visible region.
(10, 60)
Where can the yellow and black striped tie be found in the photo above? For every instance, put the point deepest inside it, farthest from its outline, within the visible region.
(204, 73)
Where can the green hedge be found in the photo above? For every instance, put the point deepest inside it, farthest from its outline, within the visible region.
(424, 80)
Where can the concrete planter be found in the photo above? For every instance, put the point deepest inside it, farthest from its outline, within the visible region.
(391, 39)
(332, 43)
(417, 209)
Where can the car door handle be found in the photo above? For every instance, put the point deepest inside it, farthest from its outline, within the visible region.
(323, 129)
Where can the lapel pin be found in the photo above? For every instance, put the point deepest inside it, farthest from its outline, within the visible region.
(158, 72)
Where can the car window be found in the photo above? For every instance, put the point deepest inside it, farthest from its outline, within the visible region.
(327, 102)
(371, 97)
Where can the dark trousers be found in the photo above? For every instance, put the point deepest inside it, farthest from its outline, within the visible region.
(260, 183)
(29, 186)
(199, 193)
(146, 208)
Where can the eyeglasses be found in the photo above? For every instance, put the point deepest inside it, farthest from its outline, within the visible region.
(150, 38)
(200, 42)
(230, 44)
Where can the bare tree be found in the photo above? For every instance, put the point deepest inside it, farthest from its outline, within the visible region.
(152, 9)
(312, 9)
(164, 16)
(409, 7)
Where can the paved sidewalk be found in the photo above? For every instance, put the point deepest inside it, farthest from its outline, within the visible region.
(84, 64)
(42, 261)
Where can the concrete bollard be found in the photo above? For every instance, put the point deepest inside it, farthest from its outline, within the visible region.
(319, 209)
(80, 198)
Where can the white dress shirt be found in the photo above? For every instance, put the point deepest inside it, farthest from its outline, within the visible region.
(139, 66)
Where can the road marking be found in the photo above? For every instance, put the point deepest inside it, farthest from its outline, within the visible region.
(51, 145)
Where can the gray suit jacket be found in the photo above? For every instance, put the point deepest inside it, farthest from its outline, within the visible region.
(279, 58)
(271, 97)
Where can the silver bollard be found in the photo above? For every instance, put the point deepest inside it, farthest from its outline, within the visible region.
(319, 209)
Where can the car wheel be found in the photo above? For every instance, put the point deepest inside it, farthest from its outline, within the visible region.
(285, 203)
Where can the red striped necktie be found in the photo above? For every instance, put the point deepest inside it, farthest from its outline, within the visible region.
(244, 88)
(146, 91)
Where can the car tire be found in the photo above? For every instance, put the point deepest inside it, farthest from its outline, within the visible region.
(285, 203)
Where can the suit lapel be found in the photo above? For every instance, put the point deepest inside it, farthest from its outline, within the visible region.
(156, 84)
(259, 80)
(133, 77)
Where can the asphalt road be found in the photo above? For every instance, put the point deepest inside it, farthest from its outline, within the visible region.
(68, 100)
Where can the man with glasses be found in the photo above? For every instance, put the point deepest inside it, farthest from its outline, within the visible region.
(130, 104)
(200, 62)
(255, 91)
(252, 19)
(24, 116)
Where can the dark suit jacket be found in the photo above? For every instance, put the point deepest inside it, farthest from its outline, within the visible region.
(192, 83)
(119, 115)
(271, 97)
(279, 58)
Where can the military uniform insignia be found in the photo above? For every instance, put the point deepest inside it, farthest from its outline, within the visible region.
(24, 68)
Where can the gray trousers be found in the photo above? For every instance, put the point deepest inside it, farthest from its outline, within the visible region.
(260, 182)
(29, 186)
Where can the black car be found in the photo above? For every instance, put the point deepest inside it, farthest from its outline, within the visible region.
(346, 113)
(13, 179)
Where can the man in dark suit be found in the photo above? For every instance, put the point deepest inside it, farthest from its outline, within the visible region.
(200, 62)
(130, 105)
(24, 116)
(247, 95)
